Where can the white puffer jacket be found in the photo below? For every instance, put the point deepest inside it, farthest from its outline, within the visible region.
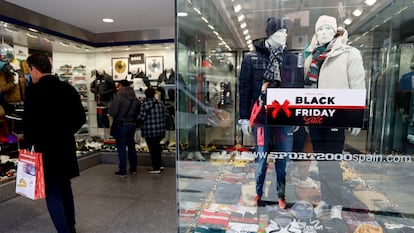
(342, 69)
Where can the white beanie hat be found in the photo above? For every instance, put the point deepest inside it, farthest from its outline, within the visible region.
(326, 20)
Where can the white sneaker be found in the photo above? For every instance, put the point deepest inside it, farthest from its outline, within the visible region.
(308, 183)
(198, 156)
(190, 155)
(336, 211)
(322, 209)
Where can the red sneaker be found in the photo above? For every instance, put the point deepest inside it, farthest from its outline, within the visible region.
(282, 203)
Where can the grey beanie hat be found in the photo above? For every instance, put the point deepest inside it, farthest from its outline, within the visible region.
(274, 24)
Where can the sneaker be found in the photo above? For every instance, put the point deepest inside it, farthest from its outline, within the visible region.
(198, 156)
(322, 209)
(162, 168)
(123, 175)
(336, 212)
(282, 203)
(152, 171)
(134, 173)
(302, 210)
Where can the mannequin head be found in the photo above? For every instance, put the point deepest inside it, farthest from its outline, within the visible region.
(276, 32)
(325, 29)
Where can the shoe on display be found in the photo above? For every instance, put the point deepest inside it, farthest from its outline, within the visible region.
(282, 203)
(152, 171)
(119, 174)
(198, 156)
(190, 155)
(322, 209)
(308, 183)
(272, 227)
(336, 212)
(302, 210)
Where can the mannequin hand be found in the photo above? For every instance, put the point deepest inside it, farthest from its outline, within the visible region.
(355, 131)
(245, 126)
(16, 78)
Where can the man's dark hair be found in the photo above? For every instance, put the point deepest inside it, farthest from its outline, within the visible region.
(149, 92)
(40, 62)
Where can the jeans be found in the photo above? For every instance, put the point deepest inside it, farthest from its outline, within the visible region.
(59, 201)
(327, 140)
(279, 139)
(124, 140)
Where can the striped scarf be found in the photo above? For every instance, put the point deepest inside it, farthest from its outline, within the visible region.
(318, 57)
(272, 72)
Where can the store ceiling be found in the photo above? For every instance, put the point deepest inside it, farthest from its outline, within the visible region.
(144, 20)
(129, 15)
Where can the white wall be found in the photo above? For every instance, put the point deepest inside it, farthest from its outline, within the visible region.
(103, 62)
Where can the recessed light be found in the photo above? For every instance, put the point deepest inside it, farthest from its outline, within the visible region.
(370, 2)
(357, 12)
(182, 14)
(108, 20)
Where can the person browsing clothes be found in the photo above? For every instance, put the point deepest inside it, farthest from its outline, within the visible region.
(153, 115)
(124, 109)
(53, 113)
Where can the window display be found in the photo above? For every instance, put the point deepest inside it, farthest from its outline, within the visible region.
(343, 176)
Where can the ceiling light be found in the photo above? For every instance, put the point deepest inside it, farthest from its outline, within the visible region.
(107, 20)
(240, 18)
(204, 19)
(243, 25)
(182, 14)
(247, 37)
(237, 8)
(197, 10)
(347, 21)
(211, 26)
(357, 12)
(245, 32)
(370, 2)
(33, 30)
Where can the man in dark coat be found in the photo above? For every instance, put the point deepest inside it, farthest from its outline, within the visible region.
(53, 113)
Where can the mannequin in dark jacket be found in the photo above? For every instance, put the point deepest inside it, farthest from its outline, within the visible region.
(53, 114)
(270, 65)
(125, 108)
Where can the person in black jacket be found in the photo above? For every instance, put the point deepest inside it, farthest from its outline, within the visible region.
(124, 109)
(53, 114)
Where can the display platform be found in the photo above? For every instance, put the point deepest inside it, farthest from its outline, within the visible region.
(217, 195)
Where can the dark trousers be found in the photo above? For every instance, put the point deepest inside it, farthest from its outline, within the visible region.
(59, 201)
(329, 140)
(155, 151)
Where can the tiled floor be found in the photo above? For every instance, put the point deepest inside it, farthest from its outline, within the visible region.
(105, 204)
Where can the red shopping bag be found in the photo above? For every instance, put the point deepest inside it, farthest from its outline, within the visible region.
(30, 181)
